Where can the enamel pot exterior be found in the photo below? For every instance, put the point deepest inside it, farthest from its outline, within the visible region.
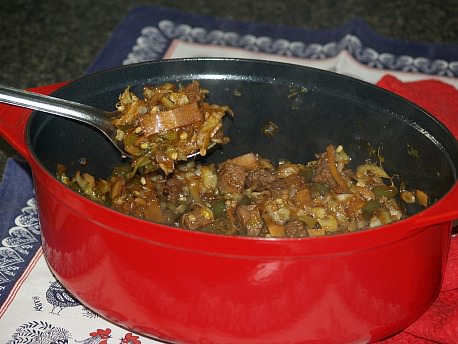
(189, 287)
(199, 289)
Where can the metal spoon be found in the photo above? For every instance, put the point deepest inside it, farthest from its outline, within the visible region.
(95, 117)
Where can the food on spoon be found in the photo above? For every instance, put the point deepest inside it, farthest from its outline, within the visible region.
(167, 124)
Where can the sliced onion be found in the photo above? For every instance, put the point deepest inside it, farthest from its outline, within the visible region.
(368, 170)
(328, 223)
(342, 198)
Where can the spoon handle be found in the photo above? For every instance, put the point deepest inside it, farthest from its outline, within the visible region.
(53, 105)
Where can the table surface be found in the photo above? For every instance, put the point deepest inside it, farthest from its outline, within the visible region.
(44, 42)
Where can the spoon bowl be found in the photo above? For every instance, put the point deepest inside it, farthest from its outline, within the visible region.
(95, 117)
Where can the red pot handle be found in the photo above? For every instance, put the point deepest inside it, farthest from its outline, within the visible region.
(13, 121)
(445, 210)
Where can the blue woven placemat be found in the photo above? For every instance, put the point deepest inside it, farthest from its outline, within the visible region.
(147, 32)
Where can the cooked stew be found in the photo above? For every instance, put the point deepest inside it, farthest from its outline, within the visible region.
(247, 195)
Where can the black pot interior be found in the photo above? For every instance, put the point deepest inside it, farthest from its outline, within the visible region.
(312, 109)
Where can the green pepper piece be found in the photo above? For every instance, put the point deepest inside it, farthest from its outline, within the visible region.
(307, 173)
(130, 139)
(122, 170)
(170, 135)
(388, 191)
(141, 162)
(318, 189)
(369, 208)
(218, 208)
(245, 200)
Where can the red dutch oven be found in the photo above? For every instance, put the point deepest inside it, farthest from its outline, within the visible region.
(190, 287)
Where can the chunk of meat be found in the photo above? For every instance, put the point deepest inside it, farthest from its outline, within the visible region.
(198, 217)
(231, 178)
(193, 92)
(171, 189)
(249, 161)
(250, 220)
(286, 186)
(295, 229)
(302, 198)
(161, 121)
(260, 180)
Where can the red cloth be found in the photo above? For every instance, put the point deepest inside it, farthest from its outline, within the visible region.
(436, 97)
(439, 324)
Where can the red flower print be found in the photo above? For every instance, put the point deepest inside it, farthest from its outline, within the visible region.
(129, 338)
(104, 335)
